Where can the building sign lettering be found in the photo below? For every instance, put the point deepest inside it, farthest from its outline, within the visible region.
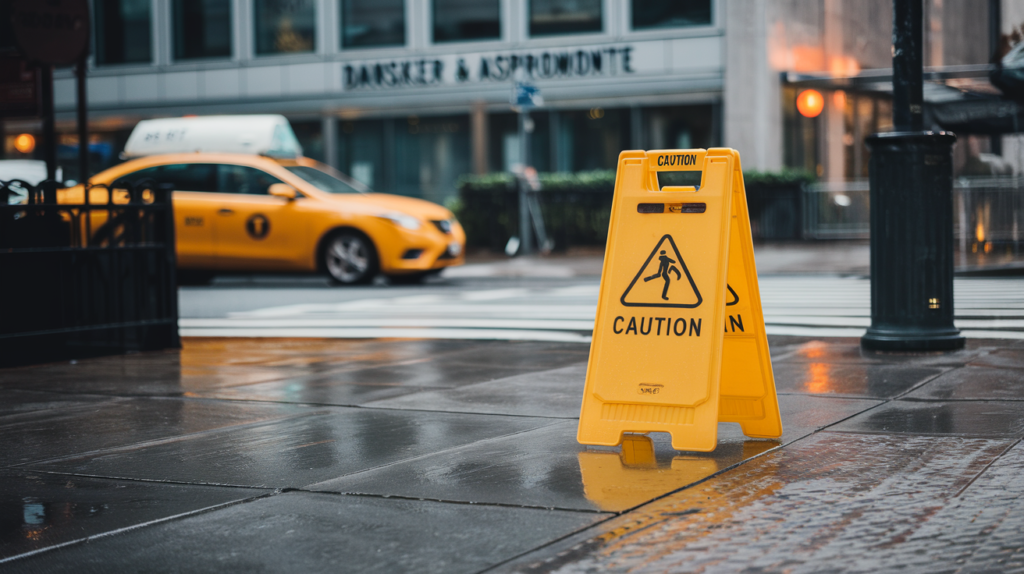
(561, 63)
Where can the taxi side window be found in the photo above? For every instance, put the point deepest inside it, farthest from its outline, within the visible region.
(183, 177)
(189, 176)
(243, 179)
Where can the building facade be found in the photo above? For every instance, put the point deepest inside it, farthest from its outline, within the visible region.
(408, 95)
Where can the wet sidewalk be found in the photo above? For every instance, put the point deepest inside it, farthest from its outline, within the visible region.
(460, 456)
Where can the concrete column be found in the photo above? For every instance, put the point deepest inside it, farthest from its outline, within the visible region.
(478, 138)
(329, 130)
(752, 114)
(832, 38)
(636, 128)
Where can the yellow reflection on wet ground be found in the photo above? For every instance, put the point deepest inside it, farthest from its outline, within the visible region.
(812, 350)
(817, 380)
(618, 481)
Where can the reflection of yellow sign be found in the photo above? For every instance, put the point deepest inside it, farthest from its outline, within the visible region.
(619, 481)
(668, 355)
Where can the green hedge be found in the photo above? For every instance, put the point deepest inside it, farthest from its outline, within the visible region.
(576, 206)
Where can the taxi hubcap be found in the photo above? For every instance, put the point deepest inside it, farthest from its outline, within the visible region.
(348, 258)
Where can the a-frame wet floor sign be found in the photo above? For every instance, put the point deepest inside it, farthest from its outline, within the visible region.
(679, 341)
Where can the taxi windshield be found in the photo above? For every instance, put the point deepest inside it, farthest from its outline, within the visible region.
(322, 180)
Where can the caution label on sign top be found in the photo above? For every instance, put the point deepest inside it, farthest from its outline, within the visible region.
(679, 339)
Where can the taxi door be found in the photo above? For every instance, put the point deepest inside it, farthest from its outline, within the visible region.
(195, 213)
(257, 231)
(195, 209)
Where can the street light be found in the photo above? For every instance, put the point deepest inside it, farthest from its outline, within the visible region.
(810, 103)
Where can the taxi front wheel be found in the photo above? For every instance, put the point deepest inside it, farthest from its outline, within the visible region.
(349, 258)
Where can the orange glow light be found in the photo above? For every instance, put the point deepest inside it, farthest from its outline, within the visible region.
(839, 99)
(25, 143)
(810, 103)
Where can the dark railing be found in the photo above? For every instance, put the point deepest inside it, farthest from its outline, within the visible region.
(84, 274)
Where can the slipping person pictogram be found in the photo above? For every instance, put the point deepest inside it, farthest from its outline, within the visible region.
(679, 290)
(665, 271)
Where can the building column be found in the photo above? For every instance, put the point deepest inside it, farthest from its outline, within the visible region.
(752, 107)
(835, 104)
(478, 138)
(636, 128)
(329, 131)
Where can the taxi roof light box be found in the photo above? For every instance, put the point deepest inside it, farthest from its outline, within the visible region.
(270, 135)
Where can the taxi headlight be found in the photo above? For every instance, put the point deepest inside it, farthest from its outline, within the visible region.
(402, 220)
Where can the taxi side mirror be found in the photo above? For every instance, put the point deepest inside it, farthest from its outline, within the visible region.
(282, 190)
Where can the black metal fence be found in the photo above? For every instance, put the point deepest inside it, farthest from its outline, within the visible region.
(578, 216)
(84, 274)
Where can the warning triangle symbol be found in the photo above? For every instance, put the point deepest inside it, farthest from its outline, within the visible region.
(663, 280)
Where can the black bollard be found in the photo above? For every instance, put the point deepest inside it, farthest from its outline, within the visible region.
(911, 212)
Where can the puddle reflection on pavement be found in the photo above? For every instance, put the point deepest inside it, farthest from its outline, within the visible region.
(618, 481)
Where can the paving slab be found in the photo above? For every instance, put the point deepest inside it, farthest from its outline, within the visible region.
(832, 502)
(965, 419)
(550, 393)
(1005, 358)
(313, 390)
(548, 468)
(847, 350)
(40, 510)
(537, 356)
(298, 451)
(308, 532)
(43, 435)
(838, 379)
(974, 383)
(206, 364)
(15, 401)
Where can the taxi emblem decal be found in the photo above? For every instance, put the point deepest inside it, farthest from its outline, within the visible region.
(258, 226)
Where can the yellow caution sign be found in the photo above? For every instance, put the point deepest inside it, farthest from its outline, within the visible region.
(678, 281)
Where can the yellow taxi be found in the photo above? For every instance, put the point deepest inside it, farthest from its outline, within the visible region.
(269, 209)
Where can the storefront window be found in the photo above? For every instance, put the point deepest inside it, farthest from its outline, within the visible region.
(123, 34)
(372, 23)
(504, 141)
(311, 138)
(361, 152)
(548, 17)
(285, 26)
(670, 13)
(430, 155)
(202, 29)
(456, 20)
(591, 139)
(679, 127)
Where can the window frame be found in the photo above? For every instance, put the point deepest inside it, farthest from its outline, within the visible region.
(602, 29)
(432, 28)
(254, 13)
(196, 59)
(406, 36)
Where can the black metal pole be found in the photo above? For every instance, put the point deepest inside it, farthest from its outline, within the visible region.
(49, 132)
(911, 180)
(907, 64)
(83, 122)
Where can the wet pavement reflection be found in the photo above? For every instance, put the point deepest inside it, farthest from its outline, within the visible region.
(458, 456)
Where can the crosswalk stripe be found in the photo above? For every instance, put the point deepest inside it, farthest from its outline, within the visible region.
(806, 306)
